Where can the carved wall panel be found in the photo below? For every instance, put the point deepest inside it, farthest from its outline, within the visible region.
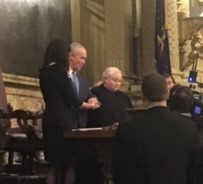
(114, 33)
(172, 27)
(106, 31)
(93, 37)
(97, 41)
(119, 33)
(23, 92)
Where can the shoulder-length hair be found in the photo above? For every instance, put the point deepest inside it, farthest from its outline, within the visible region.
(56, 52)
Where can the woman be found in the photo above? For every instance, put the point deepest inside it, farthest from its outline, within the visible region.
(60, 99)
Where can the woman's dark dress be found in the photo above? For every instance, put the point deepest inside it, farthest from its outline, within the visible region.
(60, 100)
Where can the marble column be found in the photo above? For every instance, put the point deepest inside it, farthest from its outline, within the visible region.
(147, 33)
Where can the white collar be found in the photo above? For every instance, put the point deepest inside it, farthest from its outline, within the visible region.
(155, 104)
(70, 72)
(186, 114)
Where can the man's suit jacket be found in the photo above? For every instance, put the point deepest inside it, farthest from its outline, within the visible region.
(80, 116)
(160, 147)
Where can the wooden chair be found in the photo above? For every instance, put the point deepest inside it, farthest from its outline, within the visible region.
(4, 123)
(23, 140)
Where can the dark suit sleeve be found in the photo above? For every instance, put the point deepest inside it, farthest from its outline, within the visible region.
(121, 158)
(195, 159)
(199, 171)
(89, 92)
(85, 91)
(129, 102)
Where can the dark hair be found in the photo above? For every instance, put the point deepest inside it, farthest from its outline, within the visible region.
(181, 99)
(56, 51)
(154, 88)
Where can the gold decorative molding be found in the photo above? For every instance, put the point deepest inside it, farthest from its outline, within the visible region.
(22, 80)
(23, 92)
(191, 25)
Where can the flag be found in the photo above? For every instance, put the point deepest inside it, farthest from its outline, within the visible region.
(162, 54)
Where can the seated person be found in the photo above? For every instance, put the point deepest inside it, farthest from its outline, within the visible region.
(113, 101)
(181, 100)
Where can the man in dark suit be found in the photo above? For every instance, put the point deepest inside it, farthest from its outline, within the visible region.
(159, 147)
(77, 58)
(182, 101)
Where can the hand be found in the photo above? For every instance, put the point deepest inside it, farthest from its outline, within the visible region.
(95, 105)
(115, 125)
(87, 105)
(93, 100)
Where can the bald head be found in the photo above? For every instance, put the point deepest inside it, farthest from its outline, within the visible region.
(112, 78)
(111, 71)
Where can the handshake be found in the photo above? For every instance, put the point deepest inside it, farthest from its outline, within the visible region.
(94, 103)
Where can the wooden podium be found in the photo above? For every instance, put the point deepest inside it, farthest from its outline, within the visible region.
(101, 139)
(133, 113)
(95, 133)
(95, 145)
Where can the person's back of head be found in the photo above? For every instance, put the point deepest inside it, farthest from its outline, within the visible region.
(57, 53)
(154, 88)
(181, 99)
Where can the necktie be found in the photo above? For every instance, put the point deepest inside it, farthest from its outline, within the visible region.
(75, 82)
